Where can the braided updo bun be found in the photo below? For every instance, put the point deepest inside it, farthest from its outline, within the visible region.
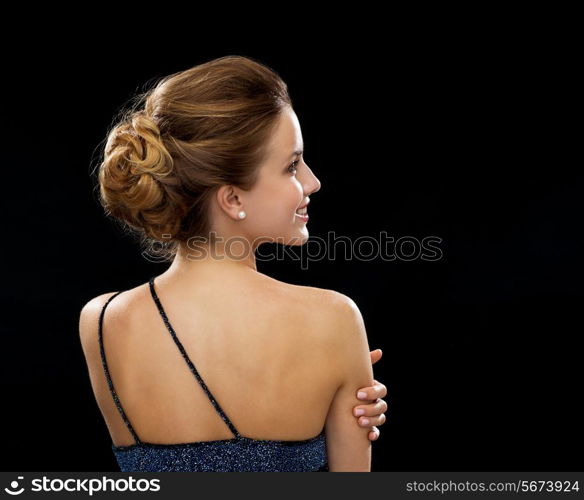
(194, 131)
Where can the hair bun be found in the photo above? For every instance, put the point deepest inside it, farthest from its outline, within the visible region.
(133, 173)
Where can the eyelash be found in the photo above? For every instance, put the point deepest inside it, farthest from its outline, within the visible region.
(292, 165)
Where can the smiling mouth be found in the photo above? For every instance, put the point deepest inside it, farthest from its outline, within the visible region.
(302, 211)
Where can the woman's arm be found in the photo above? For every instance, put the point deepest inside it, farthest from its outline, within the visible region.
(348, 445)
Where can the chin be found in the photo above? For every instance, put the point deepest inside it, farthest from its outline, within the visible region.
(299, 239)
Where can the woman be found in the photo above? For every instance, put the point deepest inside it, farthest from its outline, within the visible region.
(208, 170)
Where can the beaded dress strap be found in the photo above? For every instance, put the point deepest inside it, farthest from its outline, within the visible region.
(189, 362)
(107, 373)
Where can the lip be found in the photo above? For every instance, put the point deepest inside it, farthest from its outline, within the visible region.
(304, 218)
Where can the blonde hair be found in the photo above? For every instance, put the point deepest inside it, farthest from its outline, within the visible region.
(194, 131)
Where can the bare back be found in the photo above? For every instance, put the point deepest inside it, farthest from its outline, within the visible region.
(261, 346)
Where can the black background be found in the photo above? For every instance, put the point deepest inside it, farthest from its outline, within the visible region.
(464, 135)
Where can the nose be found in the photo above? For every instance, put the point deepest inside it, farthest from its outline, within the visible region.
(312, 184)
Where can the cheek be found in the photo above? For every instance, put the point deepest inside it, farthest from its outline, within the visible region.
(292, 199)
(277, 201)
(282, 207)
(284, 197)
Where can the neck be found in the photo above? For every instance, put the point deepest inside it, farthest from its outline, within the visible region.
(214, 256)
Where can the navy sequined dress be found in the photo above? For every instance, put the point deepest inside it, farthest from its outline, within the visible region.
(237, 454)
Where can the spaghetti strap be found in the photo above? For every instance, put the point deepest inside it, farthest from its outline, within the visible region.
(107, 373)
(189, 362)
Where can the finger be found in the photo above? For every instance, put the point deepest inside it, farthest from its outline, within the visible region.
(375, 355)
(374, 434)
(371, 410)
(383, 390)
(378, 390)
(369, 421)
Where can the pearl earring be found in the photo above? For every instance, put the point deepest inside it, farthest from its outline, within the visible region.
(241, 214)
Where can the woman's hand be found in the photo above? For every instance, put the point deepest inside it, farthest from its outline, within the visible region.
(375, 410)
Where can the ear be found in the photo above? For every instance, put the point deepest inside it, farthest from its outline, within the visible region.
(229, 200)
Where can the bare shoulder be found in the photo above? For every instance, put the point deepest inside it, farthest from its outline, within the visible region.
(331, 309)
(339, 318)
(327, 301)
(91, 311)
